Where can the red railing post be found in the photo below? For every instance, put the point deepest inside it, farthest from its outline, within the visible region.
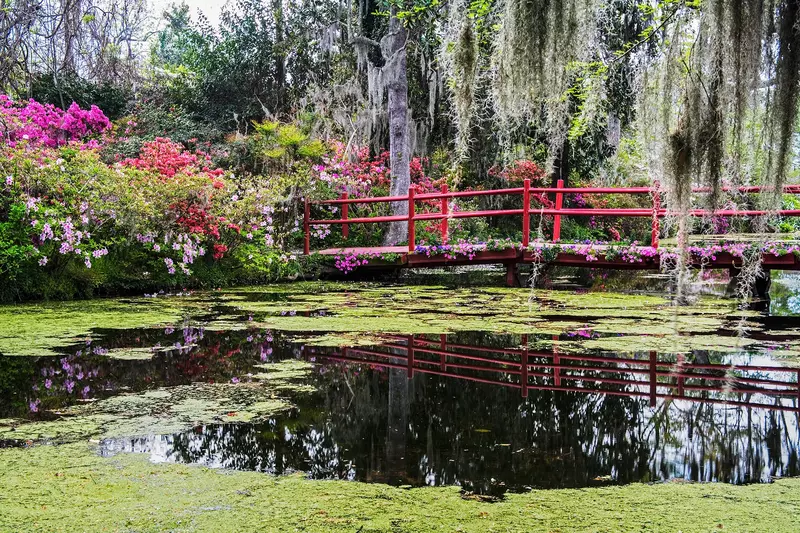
(345, 212)
(656, 208)
(798, 385)
(445, 212)
(557, 218)
(443, 356)
(526, 213)
(307, 227)
(411, 233)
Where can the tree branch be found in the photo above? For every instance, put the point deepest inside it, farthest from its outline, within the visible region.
(360, 39)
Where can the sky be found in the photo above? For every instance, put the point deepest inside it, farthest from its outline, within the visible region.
(210, 8)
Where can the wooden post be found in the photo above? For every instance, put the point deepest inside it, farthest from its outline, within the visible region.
(526, 213)
(410, 355)
(524, 367)
(445, 211)
(511, 274)
(656, 224)
(345, 212)
(681, 380)
(307, 227)
(557, 218)
(798, 385)
(411, 236)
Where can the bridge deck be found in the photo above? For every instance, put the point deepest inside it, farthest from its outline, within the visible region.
(512, 257)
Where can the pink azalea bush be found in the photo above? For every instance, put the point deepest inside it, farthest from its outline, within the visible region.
(71, 223)
(166, 158)
(39, 124)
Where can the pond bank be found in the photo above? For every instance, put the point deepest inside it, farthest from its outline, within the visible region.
(71, 488)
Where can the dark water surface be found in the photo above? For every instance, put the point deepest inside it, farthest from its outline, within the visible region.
(486, 412)
(459, 409)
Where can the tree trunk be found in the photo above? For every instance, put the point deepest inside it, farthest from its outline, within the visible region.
(395, 69)
(279, 50)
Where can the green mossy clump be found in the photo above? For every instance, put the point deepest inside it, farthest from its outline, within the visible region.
(72, 488)
(40, 329)
(331, 314)
(131, 354)
(170, 410)
(626, 322)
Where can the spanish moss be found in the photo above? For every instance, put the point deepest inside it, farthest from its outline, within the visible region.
(535, 49)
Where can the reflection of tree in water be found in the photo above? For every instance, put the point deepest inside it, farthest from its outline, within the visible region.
(463, 431)
(706, 442)
(372, 423)
(785, 294)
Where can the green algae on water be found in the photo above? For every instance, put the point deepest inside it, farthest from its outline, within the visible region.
(170, 409)
(41, 329)
(72, 488)
(330, 314)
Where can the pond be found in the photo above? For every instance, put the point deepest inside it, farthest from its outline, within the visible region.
(489, 389)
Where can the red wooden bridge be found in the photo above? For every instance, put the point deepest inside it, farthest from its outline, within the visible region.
(533, 252)
(770, 387)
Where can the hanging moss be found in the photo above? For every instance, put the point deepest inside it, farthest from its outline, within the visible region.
(535, 47)
(784, 108)
(460, 65)
(745, 24)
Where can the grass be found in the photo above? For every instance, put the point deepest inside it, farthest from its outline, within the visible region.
(71, 488)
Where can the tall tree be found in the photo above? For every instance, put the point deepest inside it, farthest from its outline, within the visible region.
(393, 47)
(388, 72)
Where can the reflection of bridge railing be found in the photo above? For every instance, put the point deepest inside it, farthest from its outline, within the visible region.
(525, 369)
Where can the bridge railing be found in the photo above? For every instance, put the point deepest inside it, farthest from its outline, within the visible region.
(655, 212)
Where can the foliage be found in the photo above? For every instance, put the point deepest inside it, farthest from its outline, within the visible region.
(62, 91)
(254, 65)
(72, 224)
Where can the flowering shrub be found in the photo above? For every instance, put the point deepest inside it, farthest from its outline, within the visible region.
(606, 228)
(357, 173)
(519, 171)
(39, 124)
(348, 262)
(167, 158)
(70, 223)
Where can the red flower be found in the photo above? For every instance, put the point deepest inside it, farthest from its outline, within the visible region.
(219, 251)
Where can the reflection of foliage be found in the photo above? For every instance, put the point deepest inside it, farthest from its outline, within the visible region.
(16, 376)
(180, 357)
(783, 293)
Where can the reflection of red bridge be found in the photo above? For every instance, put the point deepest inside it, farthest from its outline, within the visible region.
(524, 369)
(531, 253)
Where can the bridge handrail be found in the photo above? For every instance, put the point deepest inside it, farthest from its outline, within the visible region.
(656, 212)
